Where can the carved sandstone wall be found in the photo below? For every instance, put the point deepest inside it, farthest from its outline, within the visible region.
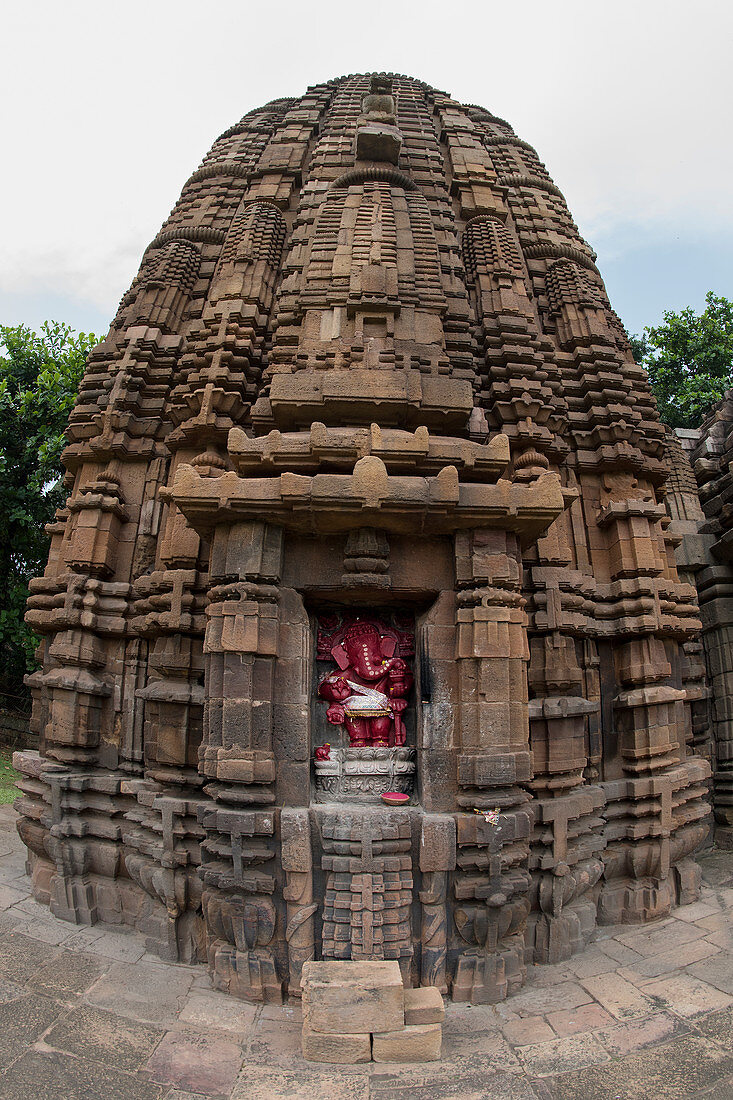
(368, 365)
(711, 452)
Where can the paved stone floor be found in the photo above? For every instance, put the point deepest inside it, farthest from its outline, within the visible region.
(87, 1014)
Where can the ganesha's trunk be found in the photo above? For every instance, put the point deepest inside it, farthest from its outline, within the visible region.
(372, 673)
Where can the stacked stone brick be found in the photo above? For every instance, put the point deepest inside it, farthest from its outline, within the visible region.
(358, 1012)
(367, 363)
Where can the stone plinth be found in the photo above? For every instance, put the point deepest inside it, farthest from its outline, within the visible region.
(363, 775)
(353, 997)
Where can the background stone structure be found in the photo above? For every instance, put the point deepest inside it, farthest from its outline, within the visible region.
(710, 450)
(367, 363)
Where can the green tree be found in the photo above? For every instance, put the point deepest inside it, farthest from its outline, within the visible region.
(639, 347)
(39, 377)
(689, 359)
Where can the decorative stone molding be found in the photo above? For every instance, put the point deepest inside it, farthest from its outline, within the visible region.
(364, 775)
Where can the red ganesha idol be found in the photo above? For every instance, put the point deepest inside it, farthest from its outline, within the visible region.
(368, 692)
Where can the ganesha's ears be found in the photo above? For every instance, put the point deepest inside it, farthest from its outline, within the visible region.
(340, 656)
(388, 646)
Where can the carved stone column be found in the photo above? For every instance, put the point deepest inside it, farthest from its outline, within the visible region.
(437, 859)
(297, 863)
(567, 839)
(238, 854)
(656, 812)
(494, 765)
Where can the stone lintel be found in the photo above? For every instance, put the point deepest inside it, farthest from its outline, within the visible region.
(395, 398)
(369, 497)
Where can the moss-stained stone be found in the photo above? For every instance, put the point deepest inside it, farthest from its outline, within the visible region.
(69, 973)
(21, 956)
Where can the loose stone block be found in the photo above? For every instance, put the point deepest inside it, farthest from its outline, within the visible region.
(417, 1043)
(339, 1049)
(353, 997)
(424, 1006)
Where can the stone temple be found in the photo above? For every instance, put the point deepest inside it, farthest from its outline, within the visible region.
(366, 496)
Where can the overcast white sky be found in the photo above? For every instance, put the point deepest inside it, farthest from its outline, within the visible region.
(108, 107)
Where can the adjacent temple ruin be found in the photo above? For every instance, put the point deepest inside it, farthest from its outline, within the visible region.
(366, 499)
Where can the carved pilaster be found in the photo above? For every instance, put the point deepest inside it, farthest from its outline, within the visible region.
(651, 825)
(297, 863)
(236, 757)
(437, 859)
(494, 767)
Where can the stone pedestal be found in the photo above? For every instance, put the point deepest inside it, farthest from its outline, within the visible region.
(364, 775)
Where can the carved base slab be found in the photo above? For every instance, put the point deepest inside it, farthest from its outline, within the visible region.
(364, 775)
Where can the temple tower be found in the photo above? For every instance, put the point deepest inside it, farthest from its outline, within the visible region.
(366, 498)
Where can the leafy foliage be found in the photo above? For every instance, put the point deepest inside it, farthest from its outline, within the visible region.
(689, 359)
(639, 347)
(39, 377)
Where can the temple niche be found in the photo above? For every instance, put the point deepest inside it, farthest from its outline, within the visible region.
(368, 688)
(363, 635)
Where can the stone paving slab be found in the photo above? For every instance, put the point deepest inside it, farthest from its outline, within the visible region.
(53, 1076)
(199, 1060)
(676, 1071)
(101, 1036)
(87, 1013)
(154, 992)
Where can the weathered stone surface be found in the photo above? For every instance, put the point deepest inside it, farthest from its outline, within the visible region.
(21, 956)
(195, 1060)
(560, 1055)
(415, 1043)
(143, 990)
(345, 1048)
(23, 1020)
(69, 972)
(256, 1083)
(104, 1037)
(674, 1071)
(369, 372)
(211, 1009)
(353, 997)
(424, 1006)
(481, 1085)
(47, 1076)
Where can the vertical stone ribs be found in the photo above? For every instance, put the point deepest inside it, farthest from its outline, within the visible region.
(560, 382)
(237, 759)
(366, 911)
(222, 362)
(520, 390)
